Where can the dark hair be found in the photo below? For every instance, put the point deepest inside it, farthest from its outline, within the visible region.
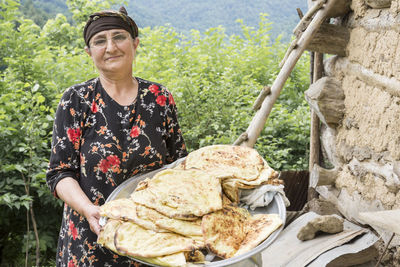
(107, 20)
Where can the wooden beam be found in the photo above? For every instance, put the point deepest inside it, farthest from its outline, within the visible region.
(330, 39)
(386, 219)
(326, 98)
(258, 122)
(341, 8)
(321, 176)
(378, 4)
(339, 66)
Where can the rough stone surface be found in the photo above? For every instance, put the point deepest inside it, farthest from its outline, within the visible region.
(359, 8)
(395, 7)
(367, 142)
(375, 113)
(328, 224)
(369, 186)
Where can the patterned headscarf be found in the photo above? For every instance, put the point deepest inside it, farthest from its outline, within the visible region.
(107, 20)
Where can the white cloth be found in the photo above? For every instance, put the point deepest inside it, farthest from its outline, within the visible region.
(262, 196)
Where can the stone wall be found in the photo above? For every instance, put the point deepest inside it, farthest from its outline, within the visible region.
(364, 146)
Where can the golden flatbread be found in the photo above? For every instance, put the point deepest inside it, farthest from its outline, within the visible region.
(133, 240)
(231, 190)
(119, 209)
(259, 226)
(125, 209)
(106, 235)
(225, 230)
(186, 228)
(181, 194)
(173, 260)
(195, 256)
(225, 161)
(106, 239)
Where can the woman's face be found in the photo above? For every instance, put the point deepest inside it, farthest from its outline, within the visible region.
(113, 51)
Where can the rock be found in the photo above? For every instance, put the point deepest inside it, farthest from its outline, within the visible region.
(328, 224)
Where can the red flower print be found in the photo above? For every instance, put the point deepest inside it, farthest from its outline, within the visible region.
(154, 89)
(135, 131)
(113, 160)
(73, 230)
(161, 99)
(71, 264)
(171, 100)
(74, 135)
(104, 165)
(94, 108)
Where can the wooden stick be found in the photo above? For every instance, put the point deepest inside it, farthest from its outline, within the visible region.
(242, 138)
(384, 251)
(300, 13)
(258, 122)
(263, 94)
(308, 15)
(292, 46)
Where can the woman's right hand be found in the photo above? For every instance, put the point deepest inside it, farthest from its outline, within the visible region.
(92, 215)
(69, 190)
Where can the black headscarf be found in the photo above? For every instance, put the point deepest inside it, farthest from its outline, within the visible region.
(107, 20)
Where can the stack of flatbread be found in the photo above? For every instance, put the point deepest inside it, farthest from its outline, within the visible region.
(181, 214)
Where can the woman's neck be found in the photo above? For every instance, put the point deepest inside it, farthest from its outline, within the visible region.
(123, 91)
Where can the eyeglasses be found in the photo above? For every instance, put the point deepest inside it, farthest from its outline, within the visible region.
(117, 39)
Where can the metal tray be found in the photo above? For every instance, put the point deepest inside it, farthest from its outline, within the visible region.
(276, 206)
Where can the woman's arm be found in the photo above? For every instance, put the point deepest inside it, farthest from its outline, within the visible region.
(69, 190)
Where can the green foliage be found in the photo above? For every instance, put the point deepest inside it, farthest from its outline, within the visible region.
(183, 15)
(214, 77)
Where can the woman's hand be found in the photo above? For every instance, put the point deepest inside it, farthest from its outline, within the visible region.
(69, 190)
(92, 215)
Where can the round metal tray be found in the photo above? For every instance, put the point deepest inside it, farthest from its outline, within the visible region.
(277, 206)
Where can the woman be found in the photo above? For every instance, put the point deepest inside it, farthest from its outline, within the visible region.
(106, 130)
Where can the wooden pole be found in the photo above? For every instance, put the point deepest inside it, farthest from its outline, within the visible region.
(258, 122)
(314, 128)
(314, 131)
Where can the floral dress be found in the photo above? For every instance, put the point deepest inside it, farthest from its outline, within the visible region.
(101, 144)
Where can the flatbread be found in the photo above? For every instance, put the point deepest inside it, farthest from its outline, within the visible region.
(106, 235)
(106, 239)
(227, 161)
(186, 228)
(195, 256)
(231, 190)
(181, 194)
(133, 240)
(259, 226)
(119, 209)
(173, 260)
(125, 209)
(225, 230)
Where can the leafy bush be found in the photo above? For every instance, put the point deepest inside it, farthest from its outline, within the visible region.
(215, 79)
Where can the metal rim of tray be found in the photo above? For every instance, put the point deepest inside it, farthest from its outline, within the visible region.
(276, 206)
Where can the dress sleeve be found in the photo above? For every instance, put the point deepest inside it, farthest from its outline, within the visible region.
(65, 147)
(175, 144)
